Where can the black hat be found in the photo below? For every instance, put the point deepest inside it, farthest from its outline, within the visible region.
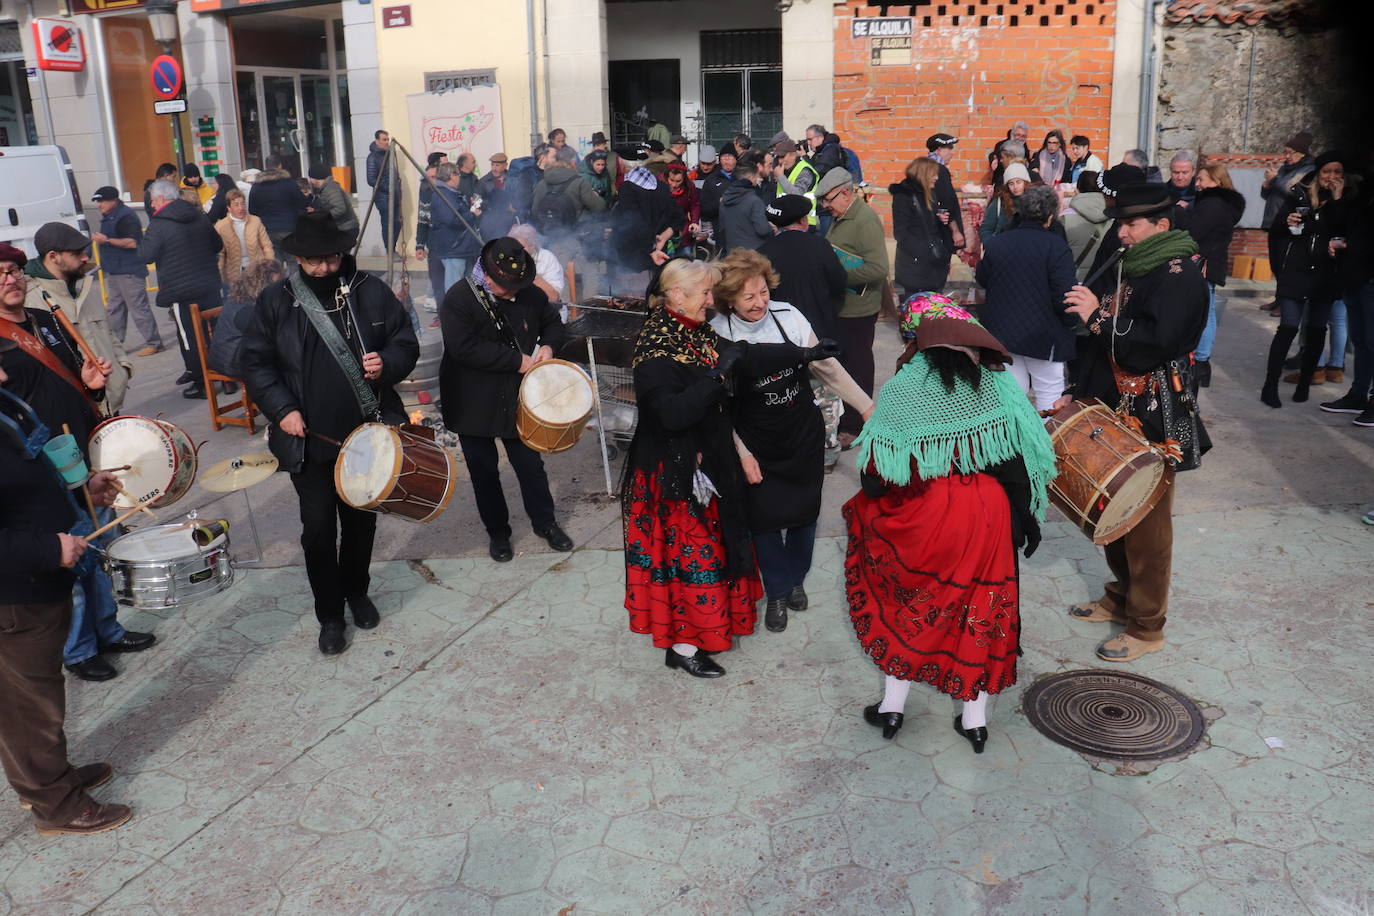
(105, 193)
(59, 237)
(319, 172)
(1143, 199)
(1327, 158)
(786, 209)
(1118, 177)
(936, 141)
(728, 150)
(507, 262)
(654, 145)
(317, 236)
(598, 137)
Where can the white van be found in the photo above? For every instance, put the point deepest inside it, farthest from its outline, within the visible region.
(37, 186)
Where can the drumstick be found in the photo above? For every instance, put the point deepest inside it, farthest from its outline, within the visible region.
(129, 496)
(323, 438)
(122, 467)
(71, 330)
(118, 521)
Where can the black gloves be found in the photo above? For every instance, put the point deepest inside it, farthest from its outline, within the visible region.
(1031, 529)
(873, 485)
(726, 359)
(825, 348)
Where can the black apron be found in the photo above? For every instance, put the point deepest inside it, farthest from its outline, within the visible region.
(778, 420)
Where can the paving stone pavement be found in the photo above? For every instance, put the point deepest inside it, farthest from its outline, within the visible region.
(502, 744)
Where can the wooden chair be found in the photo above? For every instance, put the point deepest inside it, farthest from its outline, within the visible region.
(200, 321)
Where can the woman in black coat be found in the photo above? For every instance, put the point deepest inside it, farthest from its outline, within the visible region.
(219, 204)
(643, 219)
(1216, 210)
(923, 238)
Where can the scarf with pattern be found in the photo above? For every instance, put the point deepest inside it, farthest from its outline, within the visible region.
(666, 333)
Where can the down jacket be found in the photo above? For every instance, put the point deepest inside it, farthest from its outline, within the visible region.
(231, 256)
(185, 248)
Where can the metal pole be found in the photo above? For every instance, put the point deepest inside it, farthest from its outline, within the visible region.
(600, 418)
(178, 146)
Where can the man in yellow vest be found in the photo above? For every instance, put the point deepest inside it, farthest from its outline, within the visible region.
(792, 174)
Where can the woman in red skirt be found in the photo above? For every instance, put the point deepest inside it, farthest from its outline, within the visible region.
(955, 467)
(690, 576)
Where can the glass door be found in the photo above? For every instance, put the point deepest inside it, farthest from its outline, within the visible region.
(747, 99)
(319, 120)
(282, 130)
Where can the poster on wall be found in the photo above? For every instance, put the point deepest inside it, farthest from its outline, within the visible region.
(455, 122)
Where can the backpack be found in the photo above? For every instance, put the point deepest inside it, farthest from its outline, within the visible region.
(851, 164)
(555, 211)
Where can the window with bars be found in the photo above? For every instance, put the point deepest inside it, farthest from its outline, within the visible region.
(731, 50)
(998, 13)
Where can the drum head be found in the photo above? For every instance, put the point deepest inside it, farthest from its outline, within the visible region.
(368, 465)
(160, 542)
(143, 444)
(557, 392)
(1136, 496)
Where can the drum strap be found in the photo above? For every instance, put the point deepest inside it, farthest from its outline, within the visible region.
(494, 313)
(35, 348)
(338, 348)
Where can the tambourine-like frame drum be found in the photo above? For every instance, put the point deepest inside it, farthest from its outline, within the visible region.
(395, 471)
(556, 401)
(1110, 477)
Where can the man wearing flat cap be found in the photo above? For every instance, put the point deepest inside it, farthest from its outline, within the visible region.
(321, 356)
(1135, 359)
(497, 326)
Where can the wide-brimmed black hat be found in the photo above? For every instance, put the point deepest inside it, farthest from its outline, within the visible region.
(1118, 177)
(1143, 199)
(317, 236)
(506, 261)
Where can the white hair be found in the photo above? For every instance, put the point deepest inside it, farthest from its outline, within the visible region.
(525, 233)
(162, 189)
(1184, 155)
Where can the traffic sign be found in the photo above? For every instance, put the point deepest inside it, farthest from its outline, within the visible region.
(59, 45)
(166, 76)
(169, 106)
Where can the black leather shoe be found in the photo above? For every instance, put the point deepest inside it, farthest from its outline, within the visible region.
(185, 377)
(775, 615)
(976, 736)
(194, 392)
(130, 642)
(332, 640)
(94, 668)
(797, 600)
(557, 538)
(500, 550)
(699, 665)
(889, 722)
(365, 615)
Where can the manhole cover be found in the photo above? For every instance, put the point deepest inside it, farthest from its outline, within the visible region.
(1114, 716)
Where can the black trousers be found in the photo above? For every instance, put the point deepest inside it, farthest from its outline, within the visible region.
(480, 454)
(186, 334)
(855, 336)
(336, 558)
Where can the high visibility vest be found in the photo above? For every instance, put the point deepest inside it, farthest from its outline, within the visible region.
(792, 176)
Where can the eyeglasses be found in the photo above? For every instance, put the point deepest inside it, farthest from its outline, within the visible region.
(14, 273)
(315, 262)
(834, 195)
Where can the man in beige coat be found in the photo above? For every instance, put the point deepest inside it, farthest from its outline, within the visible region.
(59, 274)
(245, 239)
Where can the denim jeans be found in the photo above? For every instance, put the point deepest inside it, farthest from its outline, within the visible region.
(93, 607)
(1361, 314)
(784, 558)
(1335, 353)
(1209, 333)
(454, 269)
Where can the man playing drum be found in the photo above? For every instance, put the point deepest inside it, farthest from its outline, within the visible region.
(497, 326)
(1135, 360)
(320, 357)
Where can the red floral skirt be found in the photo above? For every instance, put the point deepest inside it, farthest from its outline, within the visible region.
(675, 586)
(930, 574)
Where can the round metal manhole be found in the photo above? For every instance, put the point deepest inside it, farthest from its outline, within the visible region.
(1113, 715)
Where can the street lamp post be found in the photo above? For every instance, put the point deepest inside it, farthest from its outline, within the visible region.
(162, 18)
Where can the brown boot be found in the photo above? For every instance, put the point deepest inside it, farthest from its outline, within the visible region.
(95, 819)
(1334, 376)
(92, 775)
(1318, 378)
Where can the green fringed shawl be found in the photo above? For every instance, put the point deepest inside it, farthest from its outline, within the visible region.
(967, 430)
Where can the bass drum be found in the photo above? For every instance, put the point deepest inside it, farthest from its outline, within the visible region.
(395, 470)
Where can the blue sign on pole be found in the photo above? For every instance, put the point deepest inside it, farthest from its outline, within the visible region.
(166, 76)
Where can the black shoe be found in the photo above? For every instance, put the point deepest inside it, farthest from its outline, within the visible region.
(195, 392)
(1366, 418)
(976, 736)
(775, 615)
(1301, 393)
(187, 376)
(332, 640)
(94, 668)
(365, 615)
(1351, 403)
(889, 722)
(130, 642)
(557, 538)
(500, 550)
(228, 387)
(699, 665)
(1202, 373)
(797, 600)
(1270, 395)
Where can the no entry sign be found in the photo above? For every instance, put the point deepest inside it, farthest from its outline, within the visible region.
(58, 43)
(166, 76)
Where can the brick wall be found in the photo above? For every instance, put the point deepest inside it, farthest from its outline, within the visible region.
(976, 67)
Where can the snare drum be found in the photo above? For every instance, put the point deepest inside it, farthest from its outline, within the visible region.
(161, 458)
(394, 470)
(556, 400)
(163, 566)
(1110, 477)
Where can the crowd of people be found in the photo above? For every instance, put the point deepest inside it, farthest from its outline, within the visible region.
(764, 272)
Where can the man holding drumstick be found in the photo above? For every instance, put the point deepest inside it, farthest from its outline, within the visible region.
(1135, 359)
(320, 357)
(497, 326)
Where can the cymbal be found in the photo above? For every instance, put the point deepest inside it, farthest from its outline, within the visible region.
(238, 473)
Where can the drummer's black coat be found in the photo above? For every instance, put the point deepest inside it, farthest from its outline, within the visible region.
(479, 377)
(286, 366)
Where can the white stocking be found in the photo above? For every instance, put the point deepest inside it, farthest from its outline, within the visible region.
(976, 711)
(894, 694)
(685, 649)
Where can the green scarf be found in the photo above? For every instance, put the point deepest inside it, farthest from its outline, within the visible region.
(1143, 257)
(967, 430)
